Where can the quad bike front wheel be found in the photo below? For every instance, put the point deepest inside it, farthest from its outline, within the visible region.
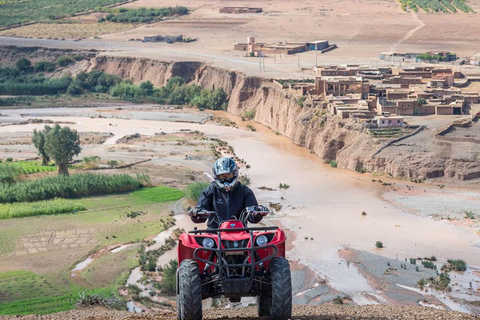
(190, 291)
(263, 306)
(179, 308)
(281, 299)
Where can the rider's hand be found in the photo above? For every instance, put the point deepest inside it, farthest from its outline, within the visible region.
(261, 210)
(193, 212)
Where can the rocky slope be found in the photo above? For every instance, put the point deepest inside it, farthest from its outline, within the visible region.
(325, 312)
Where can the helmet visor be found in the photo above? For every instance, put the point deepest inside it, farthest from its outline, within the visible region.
(225, 177)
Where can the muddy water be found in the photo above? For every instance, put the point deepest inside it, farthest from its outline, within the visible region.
(322, 204)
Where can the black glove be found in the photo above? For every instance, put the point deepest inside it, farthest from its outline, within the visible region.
(261, 210)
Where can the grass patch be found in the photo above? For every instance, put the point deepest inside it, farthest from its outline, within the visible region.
(194, 190)
(45, 207)
(33, 167)
(105, 271)
(51, 304)
(158, 194)
(68, 187)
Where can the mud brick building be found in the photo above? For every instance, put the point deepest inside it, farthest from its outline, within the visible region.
(239, 10)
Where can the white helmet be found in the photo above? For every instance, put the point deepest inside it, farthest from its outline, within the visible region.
(225, 171)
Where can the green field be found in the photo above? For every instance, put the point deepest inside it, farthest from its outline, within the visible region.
(77, 185)
(158, 194)
(40, 294)
(445, 6)
(19, 12)
(33, 289)
(33, 166)
(38, 208)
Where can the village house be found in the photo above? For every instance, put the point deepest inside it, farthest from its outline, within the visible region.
(389, 121)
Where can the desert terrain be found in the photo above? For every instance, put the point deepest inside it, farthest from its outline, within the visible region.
(361, 29)
(333, 216)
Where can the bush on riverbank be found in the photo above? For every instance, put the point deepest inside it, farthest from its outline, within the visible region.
(454, 265)
(68, 187)
(175, 92)
(45, 207)
(15, 81)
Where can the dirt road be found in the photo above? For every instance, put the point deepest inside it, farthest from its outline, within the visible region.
(325, 312)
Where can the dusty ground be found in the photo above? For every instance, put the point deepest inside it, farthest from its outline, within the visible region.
(326, 312)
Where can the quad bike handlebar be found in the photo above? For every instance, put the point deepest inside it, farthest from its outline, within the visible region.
(248, 211)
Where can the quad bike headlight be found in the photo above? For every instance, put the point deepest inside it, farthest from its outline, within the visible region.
(208, 243)
(261, 240)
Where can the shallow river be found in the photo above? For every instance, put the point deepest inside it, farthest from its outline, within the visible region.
(322, 203)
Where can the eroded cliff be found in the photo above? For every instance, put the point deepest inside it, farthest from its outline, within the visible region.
(421, 156)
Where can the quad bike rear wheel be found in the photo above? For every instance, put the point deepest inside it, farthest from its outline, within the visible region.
(281, 300)
(190, 288)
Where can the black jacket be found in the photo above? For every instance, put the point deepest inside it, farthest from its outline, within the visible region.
(226, 204)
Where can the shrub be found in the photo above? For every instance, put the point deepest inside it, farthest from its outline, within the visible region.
(338, 300)
(9, 159)
(112, 163)
(250, 114)
(78, 57)
(244, 179)
(469, 215)
(422, 283)
(301, 100)
(24, 65)
(168, 283)
(87, 299)
(379, 244)
(44, 66)
(333, 164)
(194, 189)
(454, 265)
(65, 60)
(283, 186)
(429, 265)
(422, 101)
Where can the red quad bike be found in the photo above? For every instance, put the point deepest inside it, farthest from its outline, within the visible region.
(234, 261)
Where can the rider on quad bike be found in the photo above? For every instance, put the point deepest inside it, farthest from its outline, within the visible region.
(229, 258)
(225, 195)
